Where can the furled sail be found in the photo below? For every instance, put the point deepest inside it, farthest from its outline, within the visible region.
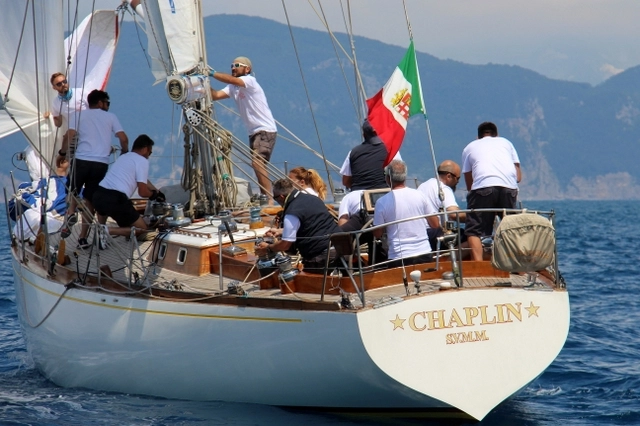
(175, 37)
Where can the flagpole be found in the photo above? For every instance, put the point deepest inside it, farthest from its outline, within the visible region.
(424, 108)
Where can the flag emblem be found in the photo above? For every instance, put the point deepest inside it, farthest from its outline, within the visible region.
(402, 102)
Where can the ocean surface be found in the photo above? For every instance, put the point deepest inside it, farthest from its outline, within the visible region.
(594, 381)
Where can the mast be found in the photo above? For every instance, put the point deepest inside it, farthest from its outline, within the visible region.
(177, 48)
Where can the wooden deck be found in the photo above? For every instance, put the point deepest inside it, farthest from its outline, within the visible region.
(130, 261)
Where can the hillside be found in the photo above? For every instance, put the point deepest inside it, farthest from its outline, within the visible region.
(575, 141)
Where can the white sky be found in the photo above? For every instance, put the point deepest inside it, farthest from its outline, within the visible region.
(578, 40)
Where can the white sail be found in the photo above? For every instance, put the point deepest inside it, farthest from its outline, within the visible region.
(174, 33)
(27, 59)
(38, 26)
(93, 46)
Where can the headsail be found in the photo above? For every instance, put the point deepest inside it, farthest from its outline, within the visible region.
(38, 26)
(93, 46)
(27, 59)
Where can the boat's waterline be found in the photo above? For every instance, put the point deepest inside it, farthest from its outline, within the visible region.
(462, 349)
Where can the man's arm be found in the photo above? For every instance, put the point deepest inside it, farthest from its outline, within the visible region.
(468, 179)
(518, 172)
(147, 190)
(453, 216)
(343, 219)
(217, 95)
(68, 136)
(124, 142)
(229, 79)
(433, 222)
(144, 190)
(57, 120)
(279, 245)
(347, 181)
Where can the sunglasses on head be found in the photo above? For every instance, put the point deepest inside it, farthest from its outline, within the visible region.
(60, 83)
(238, 65)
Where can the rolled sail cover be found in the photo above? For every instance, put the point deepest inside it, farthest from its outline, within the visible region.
(523, 243)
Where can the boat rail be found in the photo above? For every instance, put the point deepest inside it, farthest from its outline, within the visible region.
(451, 238)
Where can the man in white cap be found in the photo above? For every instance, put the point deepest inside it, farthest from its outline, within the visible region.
(255, 113)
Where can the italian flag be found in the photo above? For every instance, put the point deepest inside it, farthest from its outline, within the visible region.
(399, 99)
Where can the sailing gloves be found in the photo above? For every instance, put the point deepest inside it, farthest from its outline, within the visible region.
(157, 196)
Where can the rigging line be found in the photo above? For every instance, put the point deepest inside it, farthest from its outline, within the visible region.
(326, 26)
(356, 69)
(244, 150)
(138, 27)
(296, 140)
(299, 142)
(352, 60)
(315, 123)
(424, 107)
(84, 75)
(155, 36)
(15, 61)
(43, 207)
(344, 74)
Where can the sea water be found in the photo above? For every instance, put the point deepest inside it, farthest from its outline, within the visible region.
(594, 381)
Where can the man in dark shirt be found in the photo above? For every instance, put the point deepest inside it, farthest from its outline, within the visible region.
(307, 224)
(364, 166)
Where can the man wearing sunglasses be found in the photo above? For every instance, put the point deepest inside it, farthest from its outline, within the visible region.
(255, 113)
(68, 100)
(448, 178)
(94, 129)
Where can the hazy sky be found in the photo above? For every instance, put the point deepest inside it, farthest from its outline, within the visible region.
(578, 40)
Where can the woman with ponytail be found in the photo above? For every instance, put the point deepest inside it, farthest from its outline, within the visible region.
(309, 181)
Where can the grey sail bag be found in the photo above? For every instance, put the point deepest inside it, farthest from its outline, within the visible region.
(523, 243)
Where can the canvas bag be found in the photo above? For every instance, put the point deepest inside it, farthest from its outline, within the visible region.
(523, 242)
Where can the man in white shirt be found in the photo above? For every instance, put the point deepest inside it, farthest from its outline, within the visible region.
(444, 186)
(129, 173)
(68, 101)
(255, 113)
(408, 241)
(94, 129)
(491, 169)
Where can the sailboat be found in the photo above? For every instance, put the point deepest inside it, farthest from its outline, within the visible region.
(195, 314)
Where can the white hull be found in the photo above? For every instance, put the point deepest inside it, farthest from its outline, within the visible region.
(287, 357)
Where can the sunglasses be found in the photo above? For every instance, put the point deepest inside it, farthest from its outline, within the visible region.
(60, 83)
(238, 65)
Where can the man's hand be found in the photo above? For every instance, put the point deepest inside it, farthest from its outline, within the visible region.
(262, 249)
(157, 196)
(274, 232)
